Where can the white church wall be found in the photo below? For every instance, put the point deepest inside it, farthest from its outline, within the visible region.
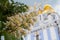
(47, 28)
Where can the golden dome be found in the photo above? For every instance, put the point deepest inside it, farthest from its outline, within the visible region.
(48, 7)
(40, 11)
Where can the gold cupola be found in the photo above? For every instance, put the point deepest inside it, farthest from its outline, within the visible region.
(40, 11)
(48, 7)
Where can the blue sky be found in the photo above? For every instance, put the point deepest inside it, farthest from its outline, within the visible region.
(55, 3)
(31, 2)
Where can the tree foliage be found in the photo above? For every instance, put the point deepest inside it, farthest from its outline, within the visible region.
(14, 23)
(9, 8)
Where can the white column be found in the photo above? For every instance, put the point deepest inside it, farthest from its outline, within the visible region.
(35, 38)
(52, 32)
(39, 37)
(42, 18)
(2, 37)
(23, 37)
(28, 37)
(45, 34)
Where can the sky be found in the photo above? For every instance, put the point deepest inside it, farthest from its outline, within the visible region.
(31, 2)
(57, 6)
(54, 3)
